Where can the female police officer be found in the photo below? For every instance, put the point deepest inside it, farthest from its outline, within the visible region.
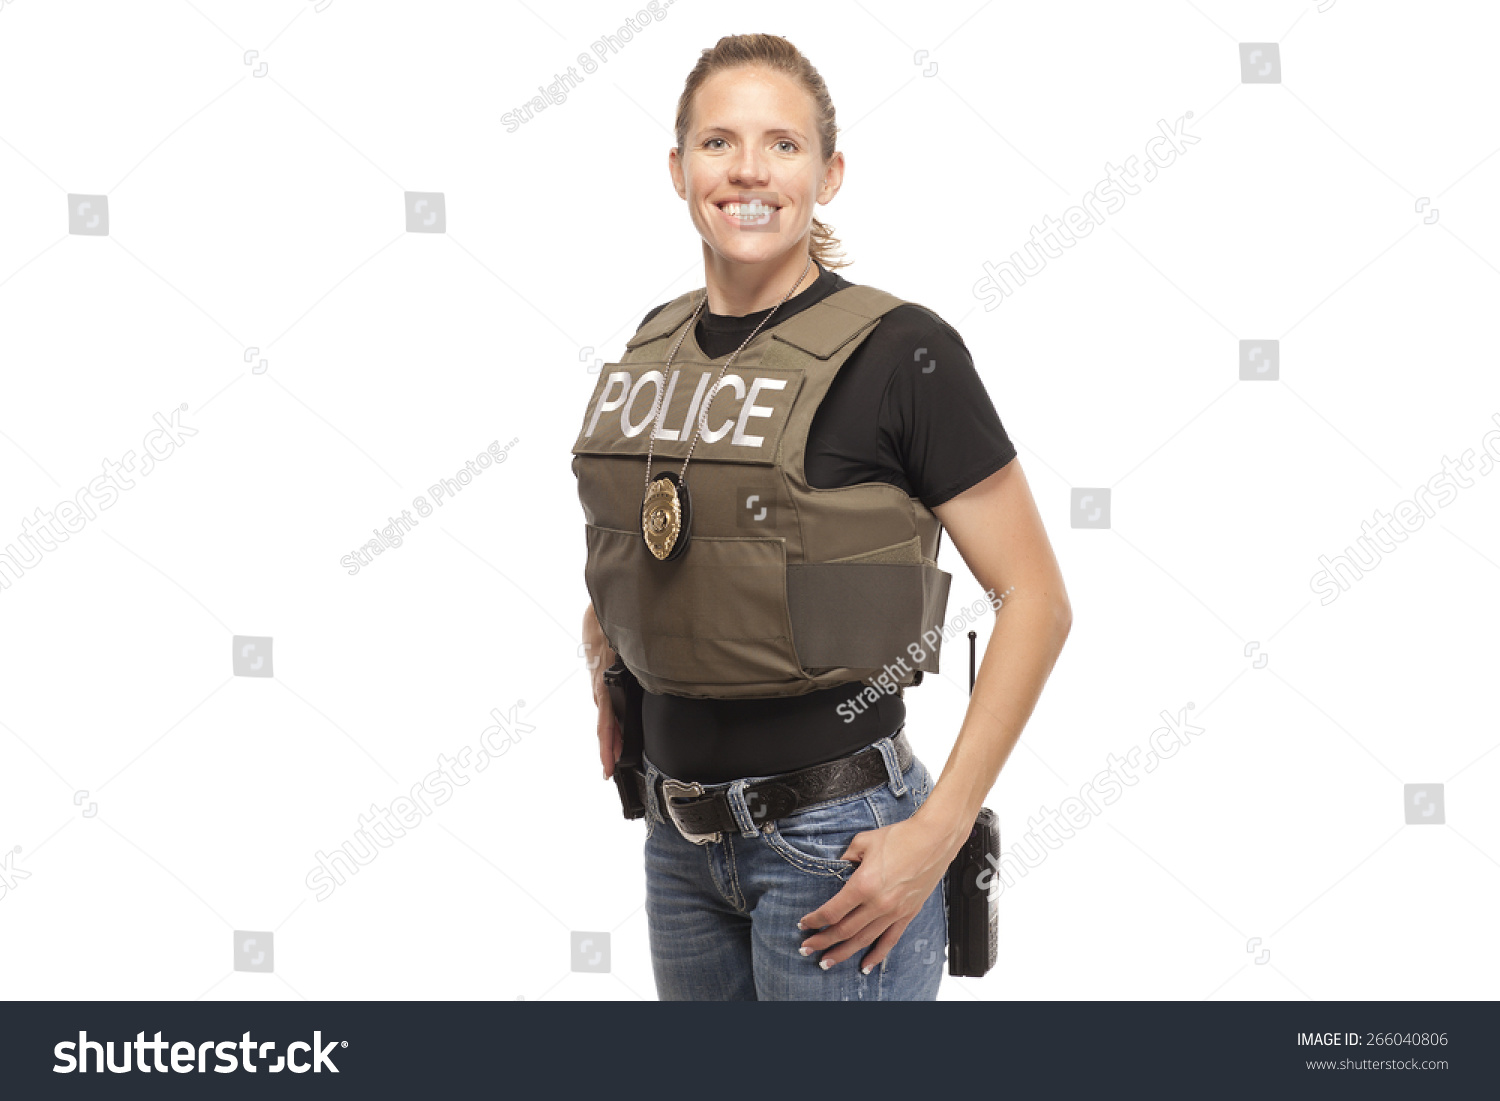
(765, 477)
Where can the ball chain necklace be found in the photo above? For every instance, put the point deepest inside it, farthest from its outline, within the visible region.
(666, 510)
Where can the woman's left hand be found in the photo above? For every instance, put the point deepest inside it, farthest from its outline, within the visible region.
(899, 867)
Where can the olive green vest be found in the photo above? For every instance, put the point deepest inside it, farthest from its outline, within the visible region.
(783, 588)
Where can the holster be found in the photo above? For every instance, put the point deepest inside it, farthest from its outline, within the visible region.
(625, 696)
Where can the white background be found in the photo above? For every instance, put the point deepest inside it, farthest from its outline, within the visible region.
(266, 212)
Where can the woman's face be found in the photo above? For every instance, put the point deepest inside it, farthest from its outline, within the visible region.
(752, 140)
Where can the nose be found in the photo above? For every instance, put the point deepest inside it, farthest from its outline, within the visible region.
(749, 168)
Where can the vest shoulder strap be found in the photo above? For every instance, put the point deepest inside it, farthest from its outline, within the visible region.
(825, 328)
(666, 320)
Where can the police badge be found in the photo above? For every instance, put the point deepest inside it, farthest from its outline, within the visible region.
(667, 517)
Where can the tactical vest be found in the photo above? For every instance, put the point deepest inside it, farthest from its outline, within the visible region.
(783, 588)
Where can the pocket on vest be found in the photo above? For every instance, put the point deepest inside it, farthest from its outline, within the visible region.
(716, 617)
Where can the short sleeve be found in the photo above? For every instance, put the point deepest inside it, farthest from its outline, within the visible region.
(936, 417)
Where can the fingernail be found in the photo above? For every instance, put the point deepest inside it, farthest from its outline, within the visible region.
(804, 951)
(799, 924)
(825, 964)
(866, 970)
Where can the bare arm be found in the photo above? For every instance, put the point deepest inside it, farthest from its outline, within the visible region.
(998, 531)
(601, 657)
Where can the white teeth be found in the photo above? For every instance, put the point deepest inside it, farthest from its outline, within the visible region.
(748, 210)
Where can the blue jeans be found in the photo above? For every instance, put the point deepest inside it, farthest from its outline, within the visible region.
(723, 916)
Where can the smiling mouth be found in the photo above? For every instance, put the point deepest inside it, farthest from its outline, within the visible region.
(750, 212)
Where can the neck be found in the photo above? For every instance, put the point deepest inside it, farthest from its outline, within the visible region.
(736, 289)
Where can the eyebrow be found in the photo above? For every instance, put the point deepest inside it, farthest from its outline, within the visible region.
(705, 131)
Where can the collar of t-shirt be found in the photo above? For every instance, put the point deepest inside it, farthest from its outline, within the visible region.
(719, 334)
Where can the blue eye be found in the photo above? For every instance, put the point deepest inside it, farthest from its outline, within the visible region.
(708, 142)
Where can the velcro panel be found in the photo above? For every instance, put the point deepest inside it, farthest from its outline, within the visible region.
(865, 615)
(909, 552)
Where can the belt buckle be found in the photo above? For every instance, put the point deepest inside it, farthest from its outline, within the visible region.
(676, 789)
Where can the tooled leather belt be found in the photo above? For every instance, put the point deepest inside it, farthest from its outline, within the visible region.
(701, 812)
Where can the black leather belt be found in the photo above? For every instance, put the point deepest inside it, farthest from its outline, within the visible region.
(708, 814)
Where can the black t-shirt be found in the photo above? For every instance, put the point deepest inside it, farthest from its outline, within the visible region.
(906, 408)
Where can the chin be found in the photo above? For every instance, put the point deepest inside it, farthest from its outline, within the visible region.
(767, 248)
(744, 256)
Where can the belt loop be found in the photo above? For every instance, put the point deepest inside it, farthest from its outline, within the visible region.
(653, 811)
(887, 748)
(740, 809)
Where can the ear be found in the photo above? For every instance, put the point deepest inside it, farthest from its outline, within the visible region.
(833, 179)
(674, 167)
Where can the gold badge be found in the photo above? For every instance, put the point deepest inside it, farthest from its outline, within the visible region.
(661, 517)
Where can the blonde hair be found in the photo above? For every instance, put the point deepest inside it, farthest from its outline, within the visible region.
(777, 54)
